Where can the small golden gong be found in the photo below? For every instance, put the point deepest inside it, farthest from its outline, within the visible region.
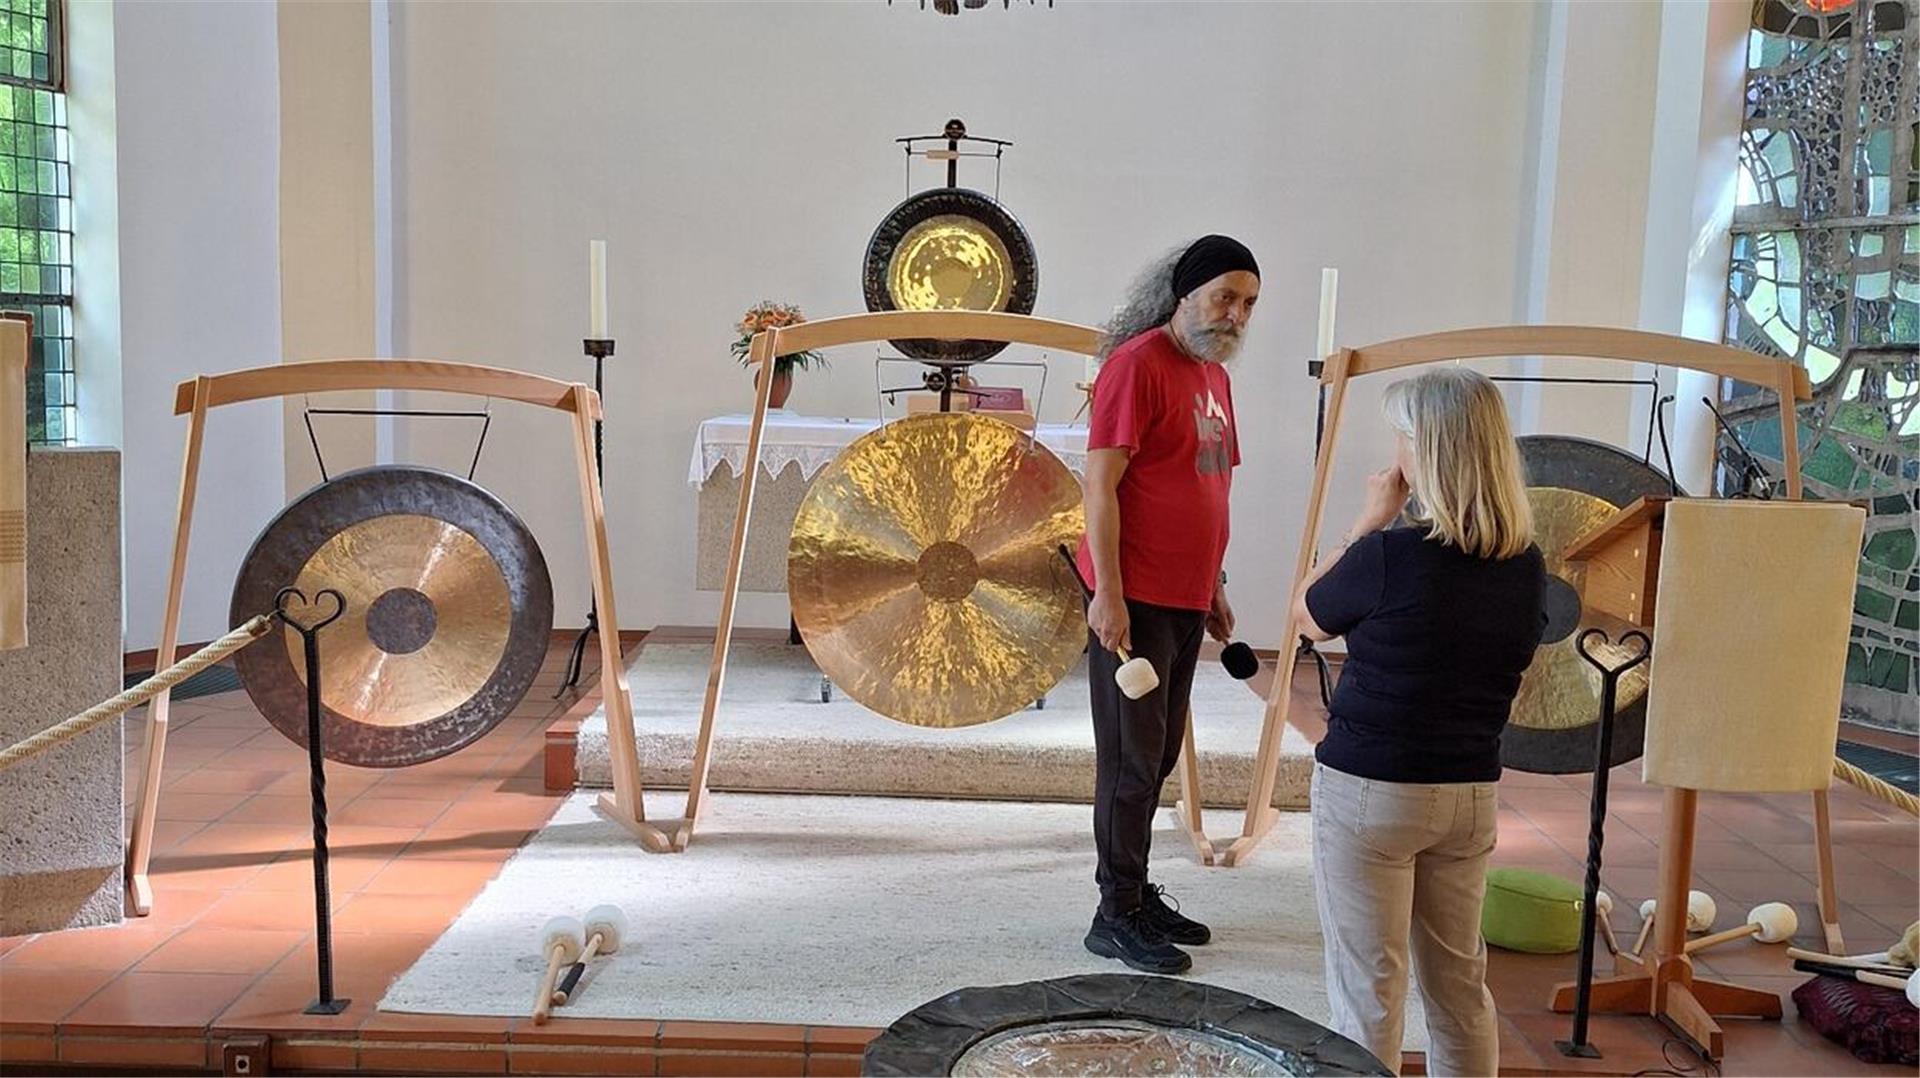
(923, 575)
(950, 263)
(947, 249)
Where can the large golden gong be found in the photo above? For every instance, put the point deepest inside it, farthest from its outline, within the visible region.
(448, 609)
(923, 575)
(1573, 485)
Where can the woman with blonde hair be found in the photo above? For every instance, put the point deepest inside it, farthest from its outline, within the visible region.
(1440, 618)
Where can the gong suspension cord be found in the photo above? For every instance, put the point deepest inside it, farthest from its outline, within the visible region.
(1877, 787)
(166, 679)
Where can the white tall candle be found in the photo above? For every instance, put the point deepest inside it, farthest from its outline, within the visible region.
(597, 290)
(1329, 289)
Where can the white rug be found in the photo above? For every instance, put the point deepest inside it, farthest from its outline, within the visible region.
(853, 911)
(773, 734)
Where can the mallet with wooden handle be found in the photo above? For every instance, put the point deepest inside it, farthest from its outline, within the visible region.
(1910, 983)
(1136, 677)
(561, 941)
(1700, 914)
(1770, 922)
(606, 927)
(1876, 962)
(1603, 910)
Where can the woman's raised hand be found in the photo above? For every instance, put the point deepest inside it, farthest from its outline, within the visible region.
(1387, 493)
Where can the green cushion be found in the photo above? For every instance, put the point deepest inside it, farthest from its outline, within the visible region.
(1530, 911)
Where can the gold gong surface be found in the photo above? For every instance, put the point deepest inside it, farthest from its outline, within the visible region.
(1561, 690)
(950, 262)
(923, 573)
(427, 619)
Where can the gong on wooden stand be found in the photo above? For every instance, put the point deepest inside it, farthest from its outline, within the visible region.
(984, 584)
(406, 621)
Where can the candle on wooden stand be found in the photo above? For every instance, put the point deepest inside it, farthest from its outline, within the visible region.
(597, 290)
(1329, 289)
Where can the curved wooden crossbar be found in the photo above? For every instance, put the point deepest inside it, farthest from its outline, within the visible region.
(1787, 379)
(337, 375)
(193, 398)
(1593, 342)
(825, 333)
(934, 325)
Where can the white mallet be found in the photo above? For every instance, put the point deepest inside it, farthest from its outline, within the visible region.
(1770, 922)
(1700, 914)
(606, 927)
(1136, 677)
(560, 941)
(1603, 913)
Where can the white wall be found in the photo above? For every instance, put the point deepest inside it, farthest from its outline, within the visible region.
(197, 103)
(730, 152)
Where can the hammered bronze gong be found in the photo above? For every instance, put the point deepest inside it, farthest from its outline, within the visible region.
(1573, 486)
(950, 249)
(922, 571)
(448, 613)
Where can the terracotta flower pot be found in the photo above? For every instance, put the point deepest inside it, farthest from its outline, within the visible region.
(782, 386)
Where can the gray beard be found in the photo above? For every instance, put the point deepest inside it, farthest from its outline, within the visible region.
(1211, 346)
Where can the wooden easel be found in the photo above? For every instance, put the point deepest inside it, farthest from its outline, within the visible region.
(1593, 342)
(674, 834)
(196, 397)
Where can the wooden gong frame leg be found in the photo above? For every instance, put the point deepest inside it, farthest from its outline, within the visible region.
(1790, 382)
(195, 397)
(140, 841)
(1186, 811)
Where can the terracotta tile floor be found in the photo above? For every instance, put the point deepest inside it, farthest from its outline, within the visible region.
(228, 952)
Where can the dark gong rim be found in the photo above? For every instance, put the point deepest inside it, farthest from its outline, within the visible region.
(1617, 477)
(937, 202)
(286, 544)
(930, 1038)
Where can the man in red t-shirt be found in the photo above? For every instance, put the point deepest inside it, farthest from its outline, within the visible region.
(1161, 448)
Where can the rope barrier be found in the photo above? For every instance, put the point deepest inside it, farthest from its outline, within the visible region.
(166, 679)
(1877, 787)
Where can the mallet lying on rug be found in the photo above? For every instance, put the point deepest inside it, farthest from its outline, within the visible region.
(606, 926)
(1136, 677)
(560, 941)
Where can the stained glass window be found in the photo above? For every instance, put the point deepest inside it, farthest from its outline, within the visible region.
(1826, 272)
(36, 206)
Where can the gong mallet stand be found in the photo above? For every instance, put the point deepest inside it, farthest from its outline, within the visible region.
(599, 348)
(1490, 342)
(326, 1002)
(1596, 827)
(196, 397)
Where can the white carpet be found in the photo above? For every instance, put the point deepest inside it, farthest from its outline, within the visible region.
(853, 911)
(774, 735)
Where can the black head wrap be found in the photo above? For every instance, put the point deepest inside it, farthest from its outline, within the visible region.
(1209, 257)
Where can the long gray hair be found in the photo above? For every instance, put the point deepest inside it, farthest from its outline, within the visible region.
(1149, 303)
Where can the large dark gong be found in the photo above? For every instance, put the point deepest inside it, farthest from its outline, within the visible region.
(448, 614)
(950, 249)
(1575, 484)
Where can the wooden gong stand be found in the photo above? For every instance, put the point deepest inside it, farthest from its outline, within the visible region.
(194, 398)
(674, 835)
(1666, 988)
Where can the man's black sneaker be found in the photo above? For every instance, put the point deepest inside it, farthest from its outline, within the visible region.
(1168, 919)
(1132, 939)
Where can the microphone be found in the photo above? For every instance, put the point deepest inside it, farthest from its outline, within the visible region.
(1754, 481)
